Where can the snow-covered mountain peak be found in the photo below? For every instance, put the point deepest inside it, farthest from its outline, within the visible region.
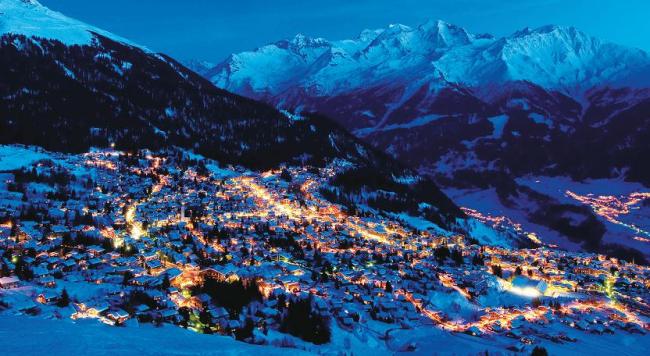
(30, 18)
(399, 42)
(548, 29)
(302, 41)
(394, 28)
(558, 29)
(369, 35)
(549, 33)
(445, 34)
(563, 58)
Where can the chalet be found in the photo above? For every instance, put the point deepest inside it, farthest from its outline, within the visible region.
(118, 316)
(204, 299)
(269, 312)
(154, 264)
(94, 262)
(52, 262)
(40, 272)
(69, 264)
(169, 315)
(150, 257)
(156, 295)
(58, 230)
(30, 307)
(47, 297)
(346, 319)
(95, 251)
(48, 281)
(142, 280)
(142, 310)
(214, 274)
(9, 282)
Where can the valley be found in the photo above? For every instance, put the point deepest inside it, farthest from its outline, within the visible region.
(479, 113)
(167, 238)
(412, 190)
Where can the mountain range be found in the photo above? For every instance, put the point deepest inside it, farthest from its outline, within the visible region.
(473, 111)
(436, 53)
(400, 87)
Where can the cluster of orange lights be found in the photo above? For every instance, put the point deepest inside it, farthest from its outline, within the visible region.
(319, 214)
(612, 207)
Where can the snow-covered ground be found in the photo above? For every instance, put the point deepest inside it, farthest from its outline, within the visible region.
(24, 335)
(15, 157)
(557, 186)
(442, 343)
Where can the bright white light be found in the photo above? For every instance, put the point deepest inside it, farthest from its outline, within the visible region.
(137, 231)
(530, 292)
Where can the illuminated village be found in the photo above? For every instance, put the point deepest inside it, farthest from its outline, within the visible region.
(174, 238)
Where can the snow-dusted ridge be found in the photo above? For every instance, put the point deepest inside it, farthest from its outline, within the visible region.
(30, 18)
(555, 57)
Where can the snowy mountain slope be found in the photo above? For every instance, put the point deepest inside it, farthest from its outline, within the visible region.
(198, 66)
(553, 57)
(456, 297)
(30, 18)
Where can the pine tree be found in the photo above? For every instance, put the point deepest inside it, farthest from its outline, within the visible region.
(165, 282)
(441, 253)
(539, 351)
(64, 300)
(302, 321)
(127, 277)
(285, 175)
(497, 270)
(457, 256)
(4, 270)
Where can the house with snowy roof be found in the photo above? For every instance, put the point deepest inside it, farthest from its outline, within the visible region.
(9, 282)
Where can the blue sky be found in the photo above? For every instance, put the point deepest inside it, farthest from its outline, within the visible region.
(210, 30)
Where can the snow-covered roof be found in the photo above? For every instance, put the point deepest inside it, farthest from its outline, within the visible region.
(8, 280)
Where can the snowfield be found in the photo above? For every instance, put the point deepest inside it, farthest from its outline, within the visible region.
(16, 157)
(30, 18)
(24, 335)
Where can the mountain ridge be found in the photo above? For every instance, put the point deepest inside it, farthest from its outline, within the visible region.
(554, 57)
